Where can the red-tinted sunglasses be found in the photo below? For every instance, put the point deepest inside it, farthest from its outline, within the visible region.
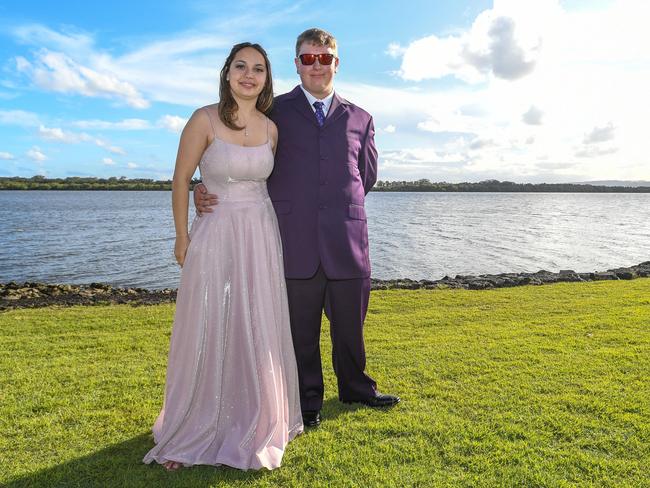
(324, 58)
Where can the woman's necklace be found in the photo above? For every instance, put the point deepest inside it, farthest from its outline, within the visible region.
(245, 126)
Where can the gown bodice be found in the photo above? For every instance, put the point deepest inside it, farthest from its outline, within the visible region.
(236, 173)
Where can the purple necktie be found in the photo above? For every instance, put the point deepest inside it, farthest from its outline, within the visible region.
(320, 115)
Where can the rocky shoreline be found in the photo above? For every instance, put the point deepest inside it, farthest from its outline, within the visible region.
(31, 295)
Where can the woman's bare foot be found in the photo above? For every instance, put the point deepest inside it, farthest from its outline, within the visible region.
(172, 465)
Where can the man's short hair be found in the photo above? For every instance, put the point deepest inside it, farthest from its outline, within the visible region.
(318, 37)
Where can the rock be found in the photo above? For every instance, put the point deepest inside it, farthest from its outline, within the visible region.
(22, 295)
(478, 285)
(625, 275)
(605, 276)
(569, 276)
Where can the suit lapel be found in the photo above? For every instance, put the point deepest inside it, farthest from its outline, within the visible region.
(301, 104)
(339, 107)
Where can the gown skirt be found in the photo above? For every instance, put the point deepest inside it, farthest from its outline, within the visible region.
(231, 393)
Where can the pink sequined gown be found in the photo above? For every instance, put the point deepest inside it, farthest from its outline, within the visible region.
(231, 394)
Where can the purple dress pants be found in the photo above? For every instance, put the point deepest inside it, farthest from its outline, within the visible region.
(345, 303)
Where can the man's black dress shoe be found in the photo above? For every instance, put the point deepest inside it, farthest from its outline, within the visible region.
(311, 418)
(378, 401)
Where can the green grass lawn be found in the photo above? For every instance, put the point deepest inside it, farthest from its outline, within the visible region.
(530, 386)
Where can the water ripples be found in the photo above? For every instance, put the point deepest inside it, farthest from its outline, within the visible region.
(127, 238)
(476, 233)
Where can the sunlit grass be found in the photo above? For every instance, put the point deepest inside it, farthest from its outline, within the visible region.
(529, 386)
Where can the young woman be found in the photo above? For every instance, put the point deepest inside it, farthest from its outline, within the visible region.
(231, 393)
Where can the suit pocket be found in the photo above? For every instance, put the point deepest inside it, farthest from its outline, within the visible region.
(282, 207)
(356, 212)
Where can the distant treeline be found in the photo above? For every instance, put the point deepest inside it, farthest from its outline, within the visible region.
(143, 184)
(81, 183)
(504, 186)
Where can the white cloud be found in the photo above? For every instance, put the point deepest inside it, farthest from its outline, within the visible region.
(8, 95)
(390, 129)
(69, 41)
(172, 123)
(55, 71)
(395, 50)
(182, 68)
(35, 154)
(57, 134)
(533, 78)
(112, 149)
(108, 161)
(591, 151)
(480, 143)
(126, 124)
(503, 42)
(533, 116)
(131, 165)
(22, 64)
(448, 154)
(446, 162)
(582, 66)
(7, 156)
(597, 142)
(19, 118)
(600, 134)
(190, 62)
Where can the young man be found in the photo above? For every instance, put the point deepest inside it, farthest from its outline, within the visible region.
(325, 164)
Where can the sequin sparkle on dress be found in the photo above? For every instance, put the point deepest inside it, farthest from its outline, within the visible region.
(231, 394)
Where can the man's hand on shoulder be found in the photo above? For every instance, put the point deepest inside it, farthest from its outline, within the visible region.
(203, 201)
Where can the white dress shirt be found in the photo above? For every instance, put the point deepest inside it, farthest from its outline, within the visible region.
(327, 101)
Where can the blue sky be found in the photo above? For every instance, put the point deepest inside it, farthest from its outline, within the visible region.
(523, 90)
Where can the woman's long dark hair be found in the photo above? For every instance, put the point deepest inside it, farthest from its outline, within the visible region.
(227, 104)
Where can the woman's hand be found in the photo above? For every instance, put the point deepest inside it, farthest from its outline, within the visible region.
(180, 248)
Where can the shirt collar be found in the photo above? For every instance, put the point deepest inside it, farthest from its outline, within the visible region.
(327, 101)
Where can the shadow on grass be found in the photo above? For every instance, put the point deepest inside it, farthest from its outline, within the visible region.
(333, 408)
(121, 465)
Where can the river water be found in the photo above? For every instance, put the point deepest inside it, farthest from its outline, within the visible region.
(126, 238)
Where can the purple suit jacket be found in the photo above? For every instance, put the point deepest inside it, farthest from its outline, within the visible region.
(318, 186)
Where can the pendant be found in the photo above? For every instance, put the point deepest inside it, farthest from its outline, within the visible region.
(245, 131)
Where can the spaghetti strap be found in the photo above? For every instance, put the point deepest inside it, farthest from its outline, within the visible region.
(214, 130)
